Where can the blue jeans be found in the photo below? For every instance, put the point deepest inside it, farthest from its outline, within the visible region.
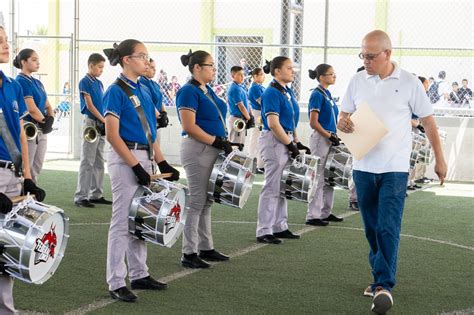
(381, 199)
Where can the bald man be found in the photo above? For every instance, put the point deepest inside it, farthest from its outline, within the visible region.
(381, 175)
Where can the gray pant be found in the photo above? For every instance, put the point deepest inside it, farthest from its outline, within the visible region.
(121, 243)
(10, 186)
(36, 153)
(352, 191)
(90, 181)
(252, 142)
(272, 207)
(321, 205)
(198, 161)
(234, 136)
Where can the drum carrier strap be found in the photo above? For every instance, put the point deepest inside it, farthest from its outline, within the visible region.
(141, 114)
(7, 137)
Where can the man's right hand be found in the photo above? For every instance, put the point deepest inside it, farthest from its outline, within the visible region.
(345, 125)
(6, 204)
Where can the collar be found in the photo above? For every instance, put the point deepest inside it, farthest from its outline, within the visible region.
(129, 82)
(90, 77)
(278, 86)
(4, 77)
(394, 75)
(26, 77)
(145, 78)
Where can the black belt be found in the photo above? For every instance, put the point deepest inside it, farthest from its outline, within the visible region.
(7, 164)
(136, 146)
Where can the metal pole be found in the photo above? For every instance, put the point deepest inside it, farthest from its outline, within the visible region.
(298, 41)
(75, 117)
(326, 30)
(13, 32)
(285, 27)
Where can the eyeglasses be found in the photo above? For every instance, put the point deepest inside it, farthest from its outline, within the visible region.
(213, 66)
(141, 56)
(369, 56)
(329, 74)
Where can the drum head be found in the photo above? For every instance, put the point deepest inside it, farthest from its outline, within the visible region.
(48, 244)
(172, 218)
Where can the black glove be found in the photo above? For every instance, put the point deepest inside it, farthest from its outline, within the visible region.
(334, 139)
(30, 187)
(420, 128)
(301, 146)
(250, 123)
(47, 124)
(166, 168)
(223, 144)
(100, 126)
(5, 204)
(163, 120)
(293, 150)
(142, 176)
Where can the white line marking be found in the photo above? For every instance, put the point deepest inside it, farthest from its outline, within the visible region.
(460, 312)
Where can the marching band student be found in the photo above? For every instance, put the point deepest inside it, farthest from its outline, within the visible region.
(130, 123)
(39, 108)
(13, 150)
(156, 96)
(90, 181)
(255, 97)
(237, 99)
(278, 142)
(201, 114)
(323, 112)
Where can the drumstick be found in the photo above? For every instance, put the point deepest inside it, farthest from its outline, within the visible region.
(160, 176)
(18, 199)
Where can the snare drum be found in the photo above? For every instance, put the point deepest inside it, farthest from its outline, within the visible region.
(338, 168)
(33, 238)
(158, 213)
(231, 179)
(299, 178)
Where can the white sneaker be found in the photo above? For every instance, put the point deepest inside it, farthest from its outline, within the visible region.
(382, 302)
(368, 291)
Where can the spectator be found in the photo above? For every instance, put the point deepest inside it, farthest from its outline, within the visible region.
(465, 94)
(439, 91)
(455, 99)
(174, 87)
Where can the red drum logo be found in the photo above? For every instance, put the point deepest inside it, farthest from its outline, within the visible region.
(44, 247)
(173, 217)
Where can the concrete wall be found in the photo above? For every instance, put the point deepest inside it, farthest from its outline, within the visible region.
(458, 149)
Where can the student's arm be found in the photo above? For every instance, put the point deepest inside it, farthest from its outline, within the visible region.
(112, 124)
(90, 106)
(33, 109)
(243, 110)
(24, 152)
(188, 121)
(49, 108)
(273, 121)
(159, 157)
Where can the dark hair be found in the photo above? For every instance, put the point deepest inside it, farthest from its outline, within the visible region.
(442, 74)
(256, 71)
(95, 59)
(24, 54)
(422, 79)
(125, 48)
(360, 69)
(464, 80)
(319, 71)
(194, 58)
(235, 69)
(266, 66)
(454, 84)
(277, 63)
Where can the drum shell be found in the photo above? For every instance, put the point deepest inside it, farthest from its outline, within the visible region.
(298, 182)
(338, 168)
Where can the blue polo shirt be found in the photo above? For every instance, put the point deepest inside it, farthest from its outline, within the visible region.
(91, 86)
(327, 108)
(117, 103)
(282, 103)
(255, 93)
(191, 97)
(155, 92)
(13, 107)
(237, 93)
(33, 88)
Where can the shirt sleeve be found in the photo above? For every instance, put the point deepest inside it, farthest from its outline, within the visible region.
(235, 96)
(85, 87)
(26, 88)
(419, 102)
(22, 109)
(271, 103)
(348, 105)
(316, 101)
(187, 98)
(114, 99)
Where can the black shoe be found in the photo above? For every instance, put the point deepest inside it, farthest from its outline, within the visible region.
(286, 234)
(148, 283)
(411, 188)
(123, 294)
(417, 187)
(353, 205)
(260, 170)
(193, 261)
(268, 239)
(84, 203)
(101, 201)
(317, 222)
(212, 255)
(333, 218)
